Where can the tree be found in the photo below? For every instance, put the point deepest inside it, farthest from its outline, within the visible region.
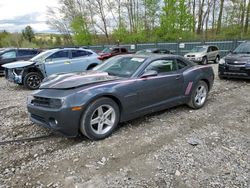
(28, 33)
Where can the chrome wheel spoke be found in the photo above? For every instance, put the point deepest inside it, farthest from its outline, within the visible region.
(108, 112)
(108, 122)
(100, 111)
(100, 128)
(95, 121)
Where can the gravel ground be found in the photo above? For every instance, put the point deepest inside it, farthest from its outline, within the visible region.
(178, 147)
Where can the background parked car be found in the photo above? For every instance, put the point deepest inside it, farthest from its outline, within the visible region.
(15, 54)
(113, 51)
(31, 73)
(237, 63)
(154, 51)
(203, 54)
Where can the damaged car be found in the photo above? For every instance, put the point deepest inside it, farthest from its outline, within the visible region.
(122, 88)
(62, 60)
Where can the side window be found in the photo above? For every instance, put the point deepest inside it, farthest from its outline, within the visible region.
(162, 66)
(115, 50)
(124, 50)
(181, 64)
(214, 48)
(209, 49)
(27, 52)
(9, 55)
(60, 55)
(79, 53)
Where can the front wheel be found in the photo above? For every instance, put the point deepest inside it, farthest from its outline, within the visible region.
(199, 95)
(204, 61)
(32, 80)
(100, 119)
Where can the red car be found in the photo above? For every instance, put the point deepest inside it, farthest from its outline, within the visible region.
(113, 51)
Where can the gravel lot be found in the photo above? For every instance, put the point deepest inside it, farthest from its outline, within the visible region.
(152, 151)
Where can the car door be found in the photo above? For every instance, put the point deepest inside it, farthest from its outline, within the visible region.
(8, 57)
(79, 60)
(209, 53)
(165, 88)
(58, 62)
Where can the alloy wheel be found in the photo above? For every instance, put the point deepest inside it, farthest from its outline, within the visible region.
(103, 119)
(34, 81)
(201, 95)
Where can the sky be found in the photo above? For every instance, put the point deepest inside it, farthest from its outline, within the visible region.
(15, 15)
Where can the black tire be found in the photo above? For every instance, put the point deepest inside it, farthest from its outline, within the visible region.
(32, 80)
(192, 102)
(204, 61)
(92, 113)
(217, 59)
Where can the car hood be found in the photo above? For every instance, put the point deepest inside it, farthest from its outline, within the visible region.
(197, 54)
(74, 80)
(238, 57)
(18, 64)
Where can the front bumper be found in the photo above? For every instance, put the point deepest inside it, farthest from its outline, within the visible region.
(63, 120)
(12, 76)
(194, 59)
(234, 71)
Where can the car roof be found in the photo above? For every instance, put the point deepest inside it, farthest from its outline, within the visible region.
(151, 56)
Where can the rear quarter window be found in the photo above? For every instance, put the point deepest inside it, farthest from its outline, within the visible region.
(79, 53)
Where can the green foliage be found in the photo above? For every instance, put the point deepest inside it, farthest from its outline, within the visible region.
(28, 33)
(80, 30)
(176, 21)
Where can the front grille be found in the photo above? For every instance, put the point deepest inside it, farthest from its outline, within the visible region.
(190, 55)
(41, 101)
(232, 62)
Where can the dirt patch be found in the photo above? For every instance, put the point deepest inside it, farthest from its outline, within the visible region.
(152, 151)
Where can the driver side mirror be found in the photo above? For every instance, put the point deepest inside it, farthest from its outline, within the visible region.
(150, 73)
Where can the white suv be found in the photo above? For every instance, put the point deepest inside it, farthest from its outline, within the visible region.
(203, 54)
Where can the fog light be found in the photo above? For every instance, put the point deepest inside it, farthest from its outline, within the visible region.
(53, 122)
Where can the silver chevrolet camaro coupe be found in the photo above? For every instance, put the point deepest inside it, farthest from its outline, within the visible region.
(124, 87)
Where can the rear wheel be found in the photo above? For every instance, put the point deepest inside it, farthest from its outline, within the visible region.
(32, 80)
(199, 95)
(100, 119)
(90, 67)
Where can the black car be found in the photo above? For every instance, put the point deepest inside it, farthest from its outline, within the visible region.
(15, 54)
(122, 88)
(237, 63)
(153, 51)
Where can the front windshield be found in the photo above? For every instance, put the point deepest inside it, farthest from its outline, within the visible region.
(121, 66)
(106, 50)
(42, 56)
(199, 49)
(243, 48)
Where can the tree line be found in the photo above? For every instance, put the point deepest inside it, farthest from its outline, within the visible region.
(85, 22)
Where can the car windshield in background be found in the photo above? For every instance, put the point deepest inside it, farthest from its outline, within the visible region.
(42, 56)
(242, 49)
(147, 51)
(199, 49)
(106, 50)
(121, 66)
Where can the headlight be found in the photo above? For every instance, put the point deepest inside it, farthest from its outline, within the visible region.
(199, 58)
(30, 98)
(222, 61)
(56, 103)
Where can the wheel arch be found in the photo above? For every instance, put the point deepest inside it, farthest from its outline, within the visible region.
(207, 82)
(92, 65)
(111, 96)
